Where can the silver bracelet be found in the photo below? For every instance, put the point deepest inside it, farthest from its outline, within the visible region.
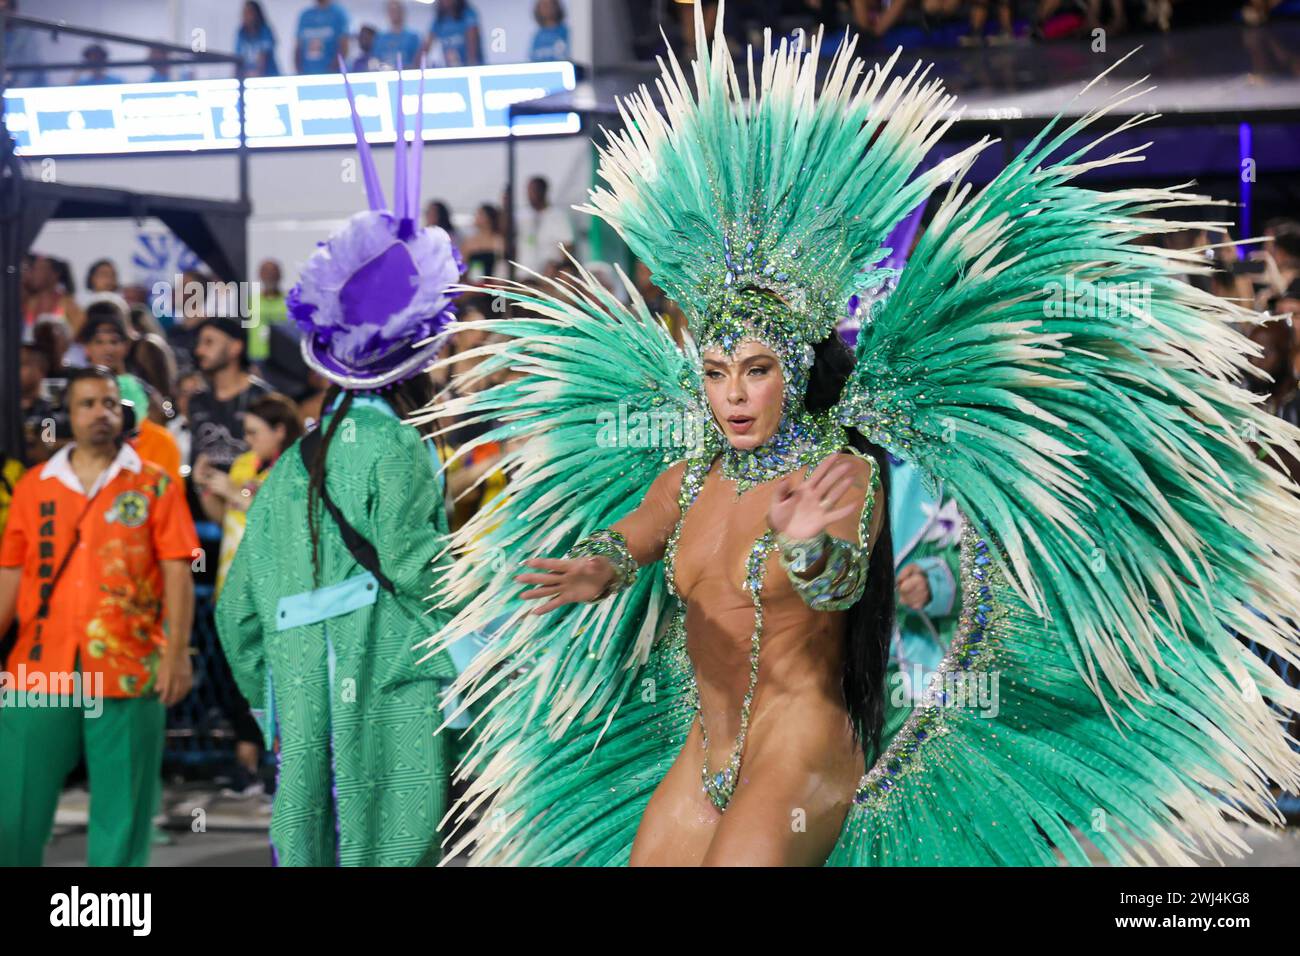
(612, 546)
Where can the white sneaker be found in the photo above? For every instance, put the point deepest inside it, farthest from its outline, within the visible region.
(254, 789)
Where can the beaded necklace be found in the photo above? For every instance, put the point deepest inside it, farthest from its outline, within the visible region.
(801, 439)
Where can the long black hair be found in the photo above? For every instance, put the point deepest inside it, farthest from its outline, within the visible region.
(404, 398)
(870, 624)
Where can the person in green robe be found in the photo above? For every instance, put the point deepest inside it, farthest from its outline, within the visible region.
(326, 597)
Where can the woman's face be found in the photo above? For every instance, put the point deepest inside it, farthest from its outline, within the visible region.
(104, 278)
(43, 275)
(745, 392)
(265, 440)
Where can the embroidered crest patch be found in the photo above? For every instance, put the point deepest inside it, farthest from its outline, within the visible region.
(130, 508)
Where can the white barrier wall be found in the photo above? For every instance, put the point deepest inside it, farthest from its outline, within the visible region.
(299, 196)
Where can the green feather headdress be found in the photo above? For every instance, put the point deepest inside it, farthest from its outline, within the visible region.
(784, 189)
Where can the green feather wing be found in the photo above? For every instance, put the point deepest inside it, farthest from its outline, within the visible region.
(582, 708)
(1078, 400)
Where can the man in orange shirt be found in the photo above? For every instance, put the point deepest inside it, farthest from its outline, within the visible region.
(95, 560)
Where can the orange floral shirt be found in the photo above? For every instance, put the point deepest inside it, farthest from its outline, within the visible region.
(107, 604)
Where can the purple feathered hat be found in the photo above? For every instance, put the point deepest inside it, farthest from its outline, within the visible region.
(372, 301)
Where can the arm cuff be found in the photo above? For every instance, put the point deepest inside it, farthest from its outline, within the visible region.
(844, 579)
(841, 582)
(612, 546)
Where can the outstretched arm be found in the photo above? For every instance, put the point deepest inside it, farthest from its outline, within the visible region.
(607, 560)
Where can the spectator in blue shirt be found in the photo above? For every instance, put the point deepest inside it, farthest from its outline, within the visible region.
(365, 59)
(162, 70)
(551, 41)
(95, 56)
(456, 32)
(322, 38)
(397, 39)
(255, 43)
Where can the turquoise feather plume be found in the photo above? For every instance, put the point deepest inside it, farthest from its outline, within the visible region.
(793, 189)
(1078, 399)
(560, 684)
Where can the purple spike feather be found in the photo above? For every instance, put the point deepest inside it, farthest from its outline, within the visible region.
(414, 174)
(369, 174)
(399, 162)
(374, 303)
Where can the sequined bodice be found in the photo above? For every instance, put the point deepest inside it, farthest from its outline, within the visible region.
(708, 562)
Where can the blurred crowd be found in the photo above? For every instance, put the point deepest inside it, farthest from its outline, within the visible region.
(453, 32)
(449, 33)
(192, 362)
(1265, 277)
(939, 23)
(193, 365)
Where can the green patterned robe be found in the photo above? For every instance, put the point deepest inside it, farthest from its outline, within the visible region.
(363, 777)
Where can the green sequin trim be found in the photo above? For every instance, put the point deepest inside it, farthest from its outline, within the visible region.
(756, 296)
(697, 469)
(973, 653)
(720, 786)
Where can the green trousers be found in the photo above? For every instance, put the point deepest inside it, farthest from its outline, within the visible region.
(122, 739)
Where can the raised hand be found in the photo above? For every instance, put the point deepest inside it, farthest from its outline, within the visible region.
(566, 581)
(802, 510)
